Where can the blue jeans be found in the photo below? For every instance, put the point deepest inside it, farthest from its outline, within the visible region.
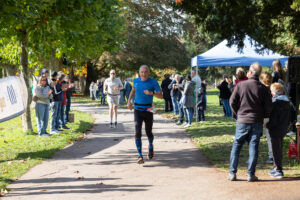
(189, 112)
(252, 134)
(58, 117)
(62, 118)
(54, 110)
(103, 98)
(175, 105)
(42, 117)
(227, 107)
(68, 107)
(182, 113)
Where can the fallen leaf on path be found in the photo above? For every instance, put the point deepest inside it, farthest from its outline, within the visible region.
(88, 153)
(77, 172)
(80, 178)
(99, 183)
(43, 190)
(116, 139)
(70, 141)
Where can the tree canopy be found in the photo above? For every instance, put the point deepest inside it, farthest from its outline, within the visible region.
(273, 23)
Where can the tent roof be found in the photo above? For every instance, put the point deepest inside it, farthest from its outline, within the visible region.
(222, 55)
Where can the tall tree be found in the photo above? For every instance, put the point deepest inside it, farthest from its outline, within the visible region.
(80, 28)
(275, 23)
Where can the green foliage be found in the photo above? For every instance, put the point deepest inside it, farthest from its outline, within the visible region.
(21, 151)
(153, 37)
(274, 24)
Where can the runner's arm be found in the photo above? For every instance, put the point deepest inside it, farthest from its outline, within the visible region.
(132, 94)
(158, 95)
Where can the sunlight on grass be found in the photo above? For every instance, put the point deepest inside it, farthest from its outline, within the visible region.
(20, 151)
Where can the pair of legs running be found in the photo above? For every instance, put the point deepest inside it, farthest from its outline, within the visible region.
(139, 118)
(113, 111)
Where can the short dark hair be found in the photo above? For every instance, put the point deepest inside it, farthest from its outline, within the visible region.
(188, 77)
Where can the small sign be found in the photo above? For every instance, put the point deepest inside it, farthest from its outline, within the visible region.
(13, 97)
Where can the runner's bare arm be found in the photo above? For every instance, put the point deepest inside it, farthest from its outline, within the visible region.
(158, 94)
(129, 104)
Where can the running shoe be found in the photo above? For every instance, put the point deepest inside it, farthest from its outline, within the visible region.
(111, 125)
(252, 178)
(232, 177)
(278, 175)
(178, 123)
(116, 124)
(150, 153)
(140, 160)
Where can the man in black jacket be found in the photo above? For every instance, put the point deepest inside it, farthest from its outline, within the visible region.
(166, 93)
(225, 94)
(251, 102)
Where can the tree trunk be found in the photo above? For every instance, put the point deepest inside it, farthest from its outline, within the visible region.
(81, 79)
(60, 64)
(92, 76)
(26, 117)
(53, 60)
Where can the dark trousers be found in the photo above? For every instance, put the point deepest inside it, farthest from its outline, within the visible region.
(68, 107)
(168, 105)
(182, 113)
(277, 152)
(102, 98)
(201, 116)
(139, 118)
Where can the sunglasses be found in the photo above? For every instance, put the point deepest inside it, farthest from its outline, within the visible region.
(112, 73)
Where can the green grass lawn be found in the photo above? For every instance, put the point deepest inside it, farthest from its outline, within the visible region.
(215, 137)
(20, 151)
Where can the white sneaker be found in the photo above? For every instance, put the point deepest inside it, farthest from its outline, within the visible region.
(54, 132)
(185, 123)
(44, 135)
(291, 133)
(188, 125)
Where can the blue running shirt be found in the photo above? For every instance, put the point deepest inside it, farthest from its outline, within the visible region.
(142, 98)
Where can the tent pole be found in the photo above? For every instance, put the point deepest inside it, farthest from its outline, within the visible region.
(196, 96)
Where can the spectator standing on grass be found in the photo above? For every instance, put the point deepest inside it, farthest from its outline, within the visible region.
(251, 102)
(166, 93)
(64, 88)
(175, 93)
(201, 104)
(127, 89)
(92, 89)
(225, 94)
(69, 93)
(43, 93)
(101, 85)
(180, 83)
(266, 79)
(188, 100)
(54, 105)
(278, 125)
(144, 88)
(58, 123)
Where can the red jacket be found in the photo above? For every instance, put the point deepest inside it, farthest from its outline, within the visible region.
(240, 80)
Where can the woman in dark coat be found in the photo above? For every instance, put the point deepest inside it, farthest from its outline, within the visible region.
(166, 93)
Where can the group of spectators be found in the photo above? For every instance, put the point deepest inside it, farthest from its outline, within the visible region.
(52, 94)
(184, 95)
(258, 101)
(97, 91)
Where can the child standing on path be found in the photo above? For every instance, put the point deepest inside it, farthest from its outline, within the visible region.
(278, 125)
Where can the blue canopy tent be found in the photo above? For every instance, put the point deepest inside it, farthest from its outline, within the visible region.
(222, 55)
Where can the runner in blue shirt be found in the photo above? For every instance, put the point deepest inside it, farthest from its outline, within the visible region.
(144, 88)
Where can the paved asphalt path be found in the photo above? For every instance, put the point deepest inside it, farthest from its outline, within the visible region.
(103, 166)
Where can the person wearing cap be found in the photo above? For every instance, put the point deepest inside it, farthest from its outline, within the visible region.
(225, 94)
(54, 105)
(45, 74)
(112, 87)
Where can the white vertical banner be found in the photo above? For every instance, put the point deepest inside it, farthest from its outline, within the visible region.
(13, 97)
